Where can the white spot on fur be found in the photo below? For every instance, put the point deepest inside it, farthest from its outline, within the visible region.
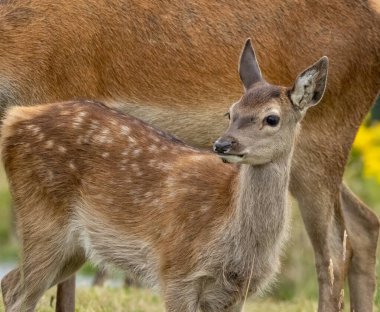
(64, 113)
(131, 140)
(50, 175)
(125, 153)
(72, 166)
(49, 144)
(94, 125)
(152, 148)
(40, 136)
(136, 152)
(204, 208)
(104, 136)
(33, 129)
(157, 203)
(152, 163)
(77, 121)
(164, 166)
(62, 149)
(148, 194)
(136, 170)
(125, 130)
(105, 155)
(155, 138)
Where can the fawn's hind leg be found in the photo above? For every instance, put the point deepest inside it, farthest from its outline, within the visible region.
(24, 286)
(49, 253)
(180, 296)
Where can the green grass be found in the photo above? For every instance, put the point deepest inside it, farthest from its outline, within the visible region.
(140, 300)
(8, 245)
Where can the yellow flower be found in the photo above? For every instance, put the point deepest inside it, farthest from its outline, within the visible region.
(367, 143)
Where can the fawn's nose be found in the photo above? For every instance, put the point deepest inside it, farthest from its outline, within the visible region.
(223, 145)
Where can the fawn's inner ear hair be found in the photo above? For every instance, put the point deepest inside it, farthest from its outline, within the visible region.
(249, 69)
(310, 85)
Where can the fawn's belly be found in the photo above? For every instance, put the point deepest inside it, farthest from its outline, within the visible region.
(105, 247)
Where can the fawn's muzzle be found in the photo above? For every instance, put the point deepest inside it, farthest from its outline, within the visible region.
(223, 145)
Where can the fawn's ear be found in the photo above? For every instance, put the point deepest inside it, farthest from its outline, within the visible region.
(310, 85)
(249, 69)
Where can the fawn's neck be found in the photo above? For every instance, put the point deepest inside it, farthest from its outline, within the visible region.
(261, 207)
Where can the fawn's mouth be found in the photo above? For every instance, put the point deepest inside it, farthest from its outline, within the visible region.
(231, 158)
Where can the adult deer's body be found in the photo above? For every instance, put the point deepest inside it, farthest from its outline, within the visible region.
(90, 182)
(172, 64)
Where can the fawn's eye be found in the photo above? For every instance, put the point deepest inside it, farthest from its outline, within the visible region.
(228, 115)
(272, 120)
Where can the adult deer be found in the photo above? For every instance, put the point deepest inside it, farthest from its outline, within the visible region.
(90, 182)
(172, 64)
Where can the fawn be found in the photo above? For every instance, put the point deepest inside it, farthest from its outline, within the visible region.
(89, 182)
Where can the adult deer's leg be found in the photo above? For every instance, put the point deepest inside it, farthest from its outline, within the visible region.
(328, 208)
(66, 291)
(363, 232)
(66, 295)
(316, 187)
(66, 279)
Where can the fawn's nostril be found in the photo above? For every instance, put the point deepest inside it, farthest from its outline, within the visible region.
(222, 146)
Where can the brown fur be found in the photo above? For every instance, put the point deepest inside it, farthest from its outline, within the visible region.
(170, 62)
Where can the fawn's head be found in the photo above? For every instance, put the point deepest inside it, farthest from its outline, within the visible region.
(264, 122)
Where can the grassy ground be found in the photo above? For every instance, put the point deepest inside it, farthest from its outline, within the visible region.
(139, 300)
(142, 300)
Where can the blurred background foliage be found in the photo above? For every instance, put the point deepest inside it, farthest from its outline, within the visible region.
(298, 278)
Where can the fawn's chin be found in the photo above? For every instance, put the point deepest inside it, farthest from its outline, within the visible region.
(233, 159)
(255, 161)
